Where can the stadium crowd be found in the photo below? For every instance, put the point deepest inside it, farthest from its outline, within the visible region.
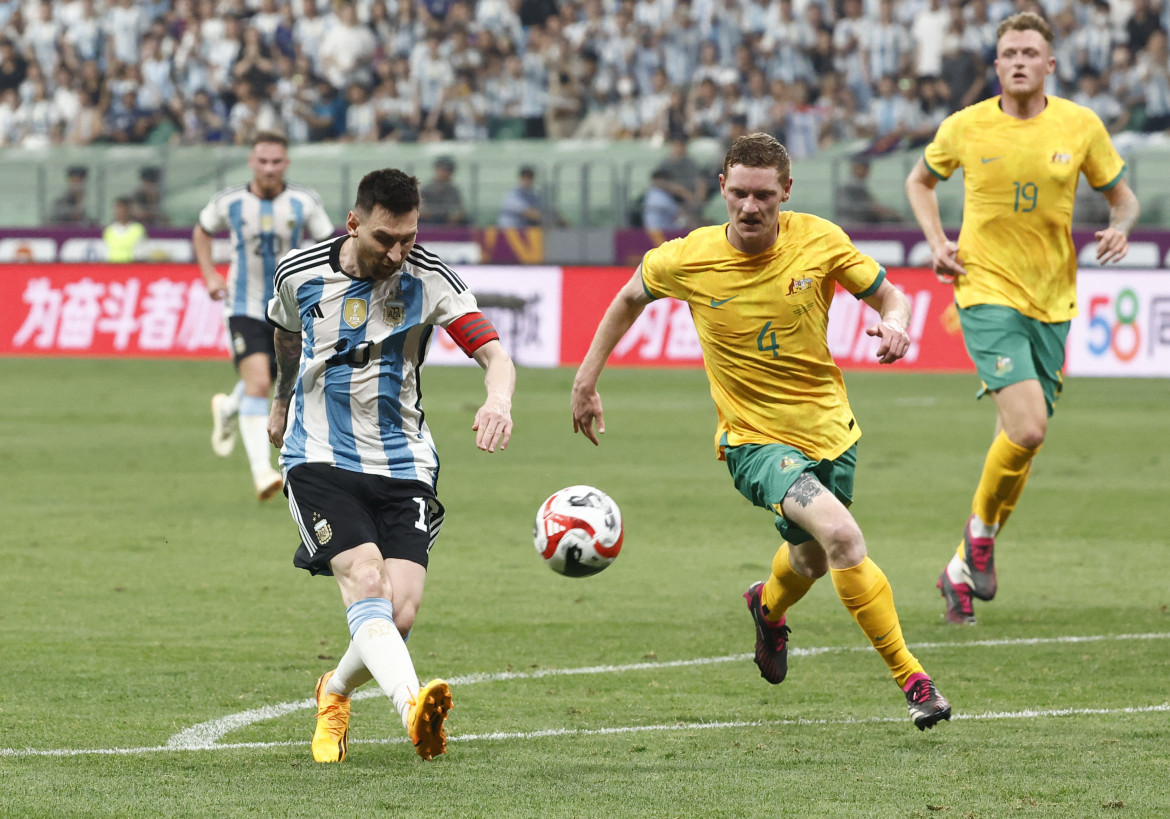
(811, 72)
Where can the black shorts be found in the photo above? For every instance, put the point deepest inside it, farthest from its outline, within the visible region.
(250, 336)
(337, 509)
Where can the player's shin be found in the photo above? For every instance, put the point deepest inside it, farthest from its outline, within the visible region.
(867, 595)
(785, 587)
(1005, 471)
(254, 434)
(384, 654)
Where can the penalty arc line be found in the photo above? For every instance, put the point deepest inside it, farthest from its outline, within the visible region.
(496, 736)
(208, 733)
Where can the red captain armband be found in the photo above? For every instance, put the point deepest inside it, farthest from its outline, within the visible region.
(471, 331)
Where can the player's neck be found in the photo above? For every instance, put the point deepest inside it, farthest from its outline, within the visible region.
(1023, 107)
(347, 259)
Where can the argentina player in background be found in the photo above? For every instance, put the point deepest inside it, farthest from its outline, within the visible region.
(353, 319)
(266, 218)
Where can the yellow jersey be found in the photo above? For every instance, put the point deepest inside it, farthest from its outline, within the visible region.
(762, 321)
(1020, 180)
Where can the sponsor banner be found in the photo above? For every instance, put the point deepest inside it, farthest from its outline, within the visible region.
(103, 310)
(1123, 327)
(664, 335)
(524, 304)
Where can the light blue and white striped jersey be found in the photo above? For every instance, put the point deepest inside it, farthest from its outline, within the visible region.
(357, 404)
(262, 231)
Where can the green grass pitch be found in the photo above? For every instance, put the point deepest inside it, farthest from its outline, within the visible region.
(159, 649)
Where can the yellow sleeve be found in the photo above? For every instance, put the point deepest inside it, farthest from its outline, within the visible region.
(942, 154)
(1103, 166)
(856, 272)
(660, 270)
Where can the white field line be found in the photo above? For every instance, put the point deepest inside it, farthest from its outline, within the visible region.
(496, 736)
(206, 735)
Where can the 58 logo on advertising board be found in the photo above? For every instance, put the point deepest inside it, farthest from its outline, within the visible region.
(1124, 325)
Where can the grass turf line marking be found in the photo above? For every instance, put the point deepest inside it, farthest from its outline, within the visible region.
(208, 733)
(496, 736)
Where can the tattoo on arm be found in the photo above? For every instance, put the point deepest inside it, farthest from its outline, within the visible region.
(806, 488)
(288, 357)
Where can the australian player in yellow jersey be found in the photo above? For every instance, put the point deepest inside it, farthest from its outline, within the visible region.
(1014, 266)
(759, 289)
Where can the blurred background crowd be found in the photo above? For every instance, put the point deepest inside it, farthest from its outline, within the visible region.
(811, 72)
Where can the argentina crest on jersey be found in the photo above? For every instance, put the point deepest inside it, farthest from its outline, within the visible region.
(394, 308)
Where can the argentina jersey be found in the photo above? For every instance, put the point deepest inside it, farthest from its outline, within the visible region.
(262, 231)
(357, 401)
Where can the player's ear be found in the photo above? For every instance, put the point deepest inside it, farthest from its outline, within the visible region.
(786, 191)
(351, 223)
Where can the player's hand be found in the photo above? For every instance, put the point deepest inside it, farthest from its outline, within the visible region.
(1112, 245)
(946, 263)
(895, 341)
(216, 285)
(586, 406)
(277, 417)
(493, 427)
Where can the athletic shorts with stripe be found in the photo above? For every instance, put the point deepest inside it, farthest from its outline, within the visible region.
(336, 510)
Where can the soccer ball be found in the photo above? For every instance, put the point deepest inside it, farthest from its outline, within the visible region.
(578, 531)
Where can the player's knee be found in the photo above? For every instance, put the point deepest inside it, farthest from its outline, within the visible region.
(842, 541)
(369, 579)
(1030, 435)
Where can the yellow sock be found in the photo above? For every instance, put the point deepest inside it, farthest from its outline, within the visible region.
(1005, 471)
(784, 587)
(867, 595)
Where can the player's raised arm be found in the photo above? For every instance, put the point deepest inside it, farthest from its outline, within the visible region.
(621, 314)
(493, 421)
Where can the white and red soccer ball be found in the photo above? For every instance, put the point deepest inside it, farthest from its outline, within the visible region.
(578, 531)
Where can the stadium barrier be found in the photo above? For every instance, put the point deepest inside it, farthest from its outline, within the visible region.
(546, 316)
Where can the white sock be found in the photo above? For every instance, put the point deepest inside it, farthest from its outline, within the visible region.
(254, 433)
(231, 406)
(981, 529)
(957, 570)
(383, 653)
(351, 672)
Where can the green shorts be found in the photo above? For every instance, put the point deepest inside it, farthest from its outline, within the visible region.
(1007, 347)
(763, 473)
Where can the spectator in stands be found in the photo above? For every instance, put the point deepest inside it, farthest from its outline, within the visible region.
(361, 121)
(146, 200)
(13, 66)
(1153, 72)
(123, 236)
(523, 206)
(69, 207)
(682, 177)
(1091, 95)
(346, 51)
(661, 210)
(855, 203)
(442, 201)
(251, 115)
(205, 120)
(9, 124)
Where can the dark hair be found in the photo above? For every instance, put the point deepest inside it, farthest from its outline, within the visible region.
(389, 188)
(758, 150)
(1025, 21)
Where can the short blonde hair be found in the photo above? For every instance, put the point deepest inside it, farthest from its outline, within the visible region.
(1025, 21)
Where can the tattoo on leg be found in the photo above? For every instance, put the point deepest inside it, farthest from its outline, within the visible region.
(806, 488)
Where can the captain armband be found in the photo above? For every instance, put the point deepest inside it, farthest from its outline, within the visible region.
(471, 331)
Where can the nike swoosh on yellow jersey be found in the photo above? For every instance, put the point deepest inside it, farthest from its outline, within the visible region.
(719, 303)
(986, 159)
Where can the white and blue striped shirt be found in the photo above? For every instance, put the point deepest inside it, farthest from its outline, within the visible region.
(357, 403)
(262, 230)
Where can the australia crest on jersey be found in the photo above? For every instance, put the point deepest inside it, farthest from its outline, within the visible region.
(354, 312)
